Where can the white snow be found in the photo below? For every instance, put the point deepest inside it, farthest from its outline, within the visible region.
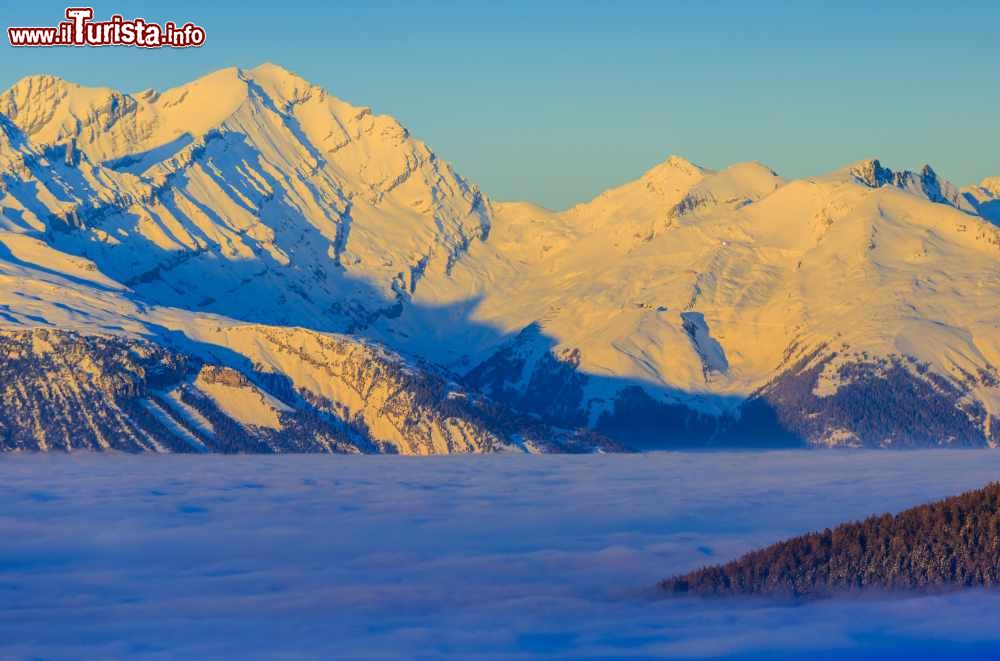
(257, 196)
(247, 403)
(165, 418)
(188, 413)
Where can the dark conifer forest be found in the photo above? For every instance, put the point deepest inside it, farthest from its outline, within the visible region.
(950, 544)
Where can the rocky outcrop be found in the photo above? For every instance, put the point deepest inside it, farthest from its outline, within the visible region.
(925, 183)
(67, 391)
(62, 391)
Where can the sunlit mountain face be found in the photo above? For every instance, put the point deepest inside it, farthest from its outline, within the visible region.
(247, 264)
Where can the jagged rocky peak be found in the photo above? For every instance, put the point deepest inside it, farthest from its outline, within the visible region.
(109, 124)
(871, 173)
(49, 109)
(927, 182)
(924, 183)
(33, 87)
(253, 194)
(268, 104)
(251, 165)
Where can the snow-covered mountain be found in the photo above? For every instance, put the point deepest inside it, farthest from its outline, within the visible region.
(317, 279)
(985, 198)
(858, 307)
(332, 213)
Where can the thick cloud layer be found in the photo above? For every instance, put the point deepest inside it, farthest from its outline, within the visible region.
(496, 557)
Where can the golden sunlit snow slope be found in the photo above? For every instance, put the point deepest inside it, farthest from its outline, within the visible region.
(250, 175)
(762, 264)
(257, 196)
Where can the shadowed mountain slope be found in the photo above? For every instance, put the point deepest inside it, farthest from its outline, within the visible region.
(687, 307)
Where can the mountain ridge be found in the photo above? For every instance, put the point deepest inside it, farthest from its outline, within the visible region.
(681, 298)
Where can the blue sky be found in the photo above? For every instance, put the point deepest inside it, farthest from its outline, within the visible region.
(555, 103)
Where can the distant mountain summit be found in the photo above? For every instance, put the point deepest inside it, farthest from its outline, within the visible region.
(985, 198)
(924, 183)
(688, 307)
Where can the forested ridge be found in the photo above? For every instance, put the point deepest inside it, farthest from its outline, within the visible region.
(953, 543)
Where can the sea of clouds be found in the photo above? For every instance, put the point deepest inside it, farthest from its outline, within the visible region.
(498, 557)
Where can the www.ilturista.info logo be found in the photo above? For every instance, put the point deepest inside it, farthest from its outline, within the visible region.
(81, 30)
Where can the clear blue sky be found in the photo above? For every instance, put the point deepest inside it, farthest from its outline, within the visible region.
(556, 101)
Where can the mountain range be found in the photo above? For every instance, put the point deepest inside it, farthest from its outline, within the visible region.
(248, 264)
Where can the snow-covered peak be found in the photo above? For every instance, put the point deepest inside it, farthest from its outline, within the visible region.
(991, 185)
(733, 187)
(51, 110)
(872, 173)
(41, 85)
(280, 83)
(276, 72)
(639, 203)
(253, 194)
(673, 166)
(108, 125)
(869, 172)
(242, 175)
(985, 198)
(924, 183)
